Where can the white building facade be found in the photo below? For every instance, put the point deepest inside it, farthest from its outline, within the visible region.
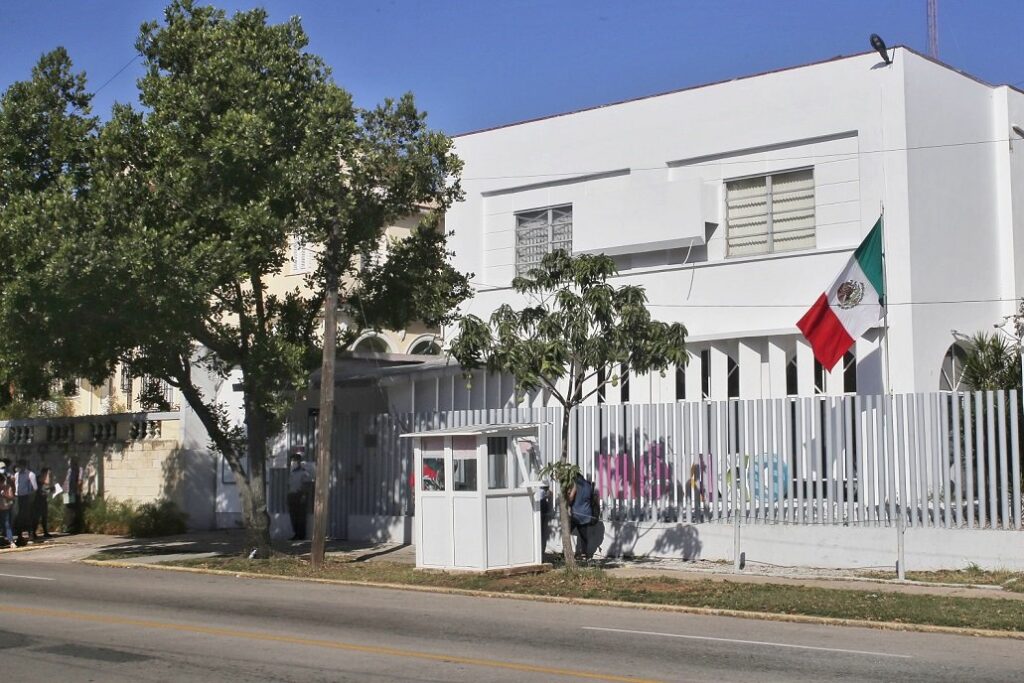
(736, 204)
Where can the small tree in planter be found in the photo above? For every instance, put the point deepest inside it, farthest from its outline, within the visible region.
(576, 326)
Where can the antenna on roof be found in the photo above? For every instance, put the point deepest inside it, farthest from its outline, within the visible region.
(933, 29)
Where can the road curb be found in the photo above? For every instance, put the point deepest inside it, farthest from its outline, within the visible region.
(556, 599)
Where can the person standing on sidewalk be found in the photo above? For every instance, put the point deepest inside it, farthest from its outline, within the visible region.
(299, 482)
(25, 489)
(41, 511)
(7, 499)
(582, 514)
(73, 500)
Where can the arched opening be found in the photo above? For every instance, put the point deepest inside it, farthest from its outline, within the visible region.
(372, 344)
(951, 375)
(425, 346)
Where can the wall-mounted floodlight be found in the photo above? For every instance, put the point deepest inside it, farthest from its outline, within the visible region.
(1018, 130)
(880, 48)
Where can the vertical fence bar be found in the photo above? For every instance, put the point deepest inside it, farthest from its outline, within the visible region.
(800, 408)
(900, 425)
(724, 442)
(750, 456)
(1015, 456)
(944, 448)
(815, 464)
(913, 480)
(934, 460)
(790, 457)
(686, 473)
(1004, 475)
(991, 448)
(782, 500)
(860, 431)
(739, 443)
(870, 459)
(828, 454)
(979, 457)
(958, 492)
(849, 404)
(969, 457)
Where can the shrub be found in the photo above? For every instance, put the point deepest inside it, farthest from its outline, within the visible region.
(162, 518)
(126, 518)
(55, 513)
(109, 516)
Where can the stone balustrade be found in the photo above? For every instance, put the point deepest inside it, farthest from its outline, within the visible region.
(90, 429)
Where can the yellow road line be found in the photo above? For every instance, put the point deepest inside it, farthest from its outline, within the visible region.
(315, 642)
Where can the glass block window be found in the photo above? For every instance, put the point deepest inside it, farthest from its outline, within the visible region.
(540, 232)
(771, 213)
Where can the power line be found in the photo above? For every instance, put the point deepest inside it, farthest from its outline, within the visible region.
(846, 156)
(804, 305)
(117, 73)
(807, 305)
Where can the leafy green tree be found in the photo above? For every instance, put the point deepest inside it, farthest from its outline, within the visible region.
(47, 139)
(574, 326)
(244, 142)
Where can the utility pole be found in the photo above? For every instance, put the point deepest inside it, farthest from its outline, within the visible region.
(323, 446)
(933, 29)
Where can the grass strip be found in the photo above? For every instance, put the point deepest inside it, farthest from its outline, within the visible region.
(972, 576)
(933, 610)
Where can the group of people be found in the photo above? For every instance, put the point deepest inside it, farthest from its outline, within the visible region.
(25, 501)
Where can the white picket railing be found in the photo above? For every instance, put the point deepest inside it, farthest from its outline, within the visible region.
(939, 460)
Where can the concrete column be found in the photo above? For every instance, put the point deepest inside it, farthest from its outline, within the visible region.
(693, 372)
(804, 368)
(834, 381)
(644, 388)
(777, 358)
(719, 372)
(749, 359)
(870, 379)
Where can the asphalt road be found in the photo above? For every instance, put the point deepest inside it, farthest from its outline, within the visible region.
(73, 622)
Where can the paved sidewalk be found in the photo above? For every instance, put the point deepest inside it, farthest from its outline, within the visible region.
(204, 544)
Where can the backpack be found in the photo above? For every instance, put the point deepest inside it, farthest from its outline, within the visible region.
(595, 502)
(6, 493)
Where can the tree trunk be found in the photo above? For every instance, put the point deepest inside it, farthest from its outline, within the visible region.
(563, 501)
(257, 519)
(323, 451)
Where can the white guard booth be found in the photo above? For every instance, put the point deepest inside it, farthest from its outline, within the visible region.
(477, 497)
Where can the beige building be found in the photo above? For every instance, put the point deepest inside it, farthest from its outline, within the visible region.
(121, 392)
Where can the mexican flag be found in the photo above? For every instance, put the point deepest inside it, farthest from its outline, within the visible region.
(851, 306)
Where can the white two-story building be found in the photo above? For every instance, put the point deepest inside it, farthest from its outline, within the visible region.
(735, 204)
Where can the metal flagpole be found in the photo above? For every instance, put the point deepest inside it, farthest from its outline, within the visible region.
(885, 307)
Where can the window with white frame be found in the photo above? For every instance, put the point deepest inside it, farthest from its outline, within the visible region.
(541, 232)
(770, 213)
(301, 257)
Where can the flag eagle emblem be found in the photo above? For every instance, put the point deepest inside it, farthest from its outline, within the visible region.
(850, 293)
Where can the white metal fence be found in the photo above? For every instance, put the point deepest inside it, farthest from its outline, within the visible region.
(939, 460)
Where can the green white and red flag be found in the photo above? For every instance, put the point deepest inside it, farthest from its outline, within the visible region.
(851, 306)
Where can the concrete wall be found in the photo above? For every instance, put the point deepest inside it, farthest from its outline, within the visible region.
(835, 547)
(128, 457)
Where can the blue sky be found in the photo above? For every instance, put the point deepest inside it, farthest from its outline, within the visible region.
(479, 63)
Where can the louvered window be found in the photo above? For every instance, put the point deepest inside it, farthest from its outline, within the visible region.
(541, 232)
(770, 213)
(301, 258)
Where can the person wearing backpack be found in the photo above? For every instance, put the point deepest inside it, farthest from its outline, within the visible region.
(583, 513)
(6, 504)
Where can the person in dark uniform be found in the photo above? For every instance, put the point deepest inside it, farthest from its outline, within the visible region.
(298, 496)
(581, 511)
